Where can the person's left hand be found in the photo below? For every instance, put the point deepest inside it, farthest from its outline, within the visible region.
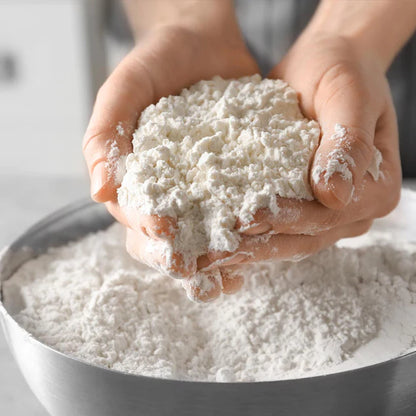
(338, 84)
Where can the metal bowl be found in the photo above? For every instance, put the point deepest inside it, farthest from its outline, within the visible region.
(67, 386)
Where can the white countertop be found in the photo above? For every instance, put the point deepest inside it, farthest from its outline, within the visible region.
(25, 200)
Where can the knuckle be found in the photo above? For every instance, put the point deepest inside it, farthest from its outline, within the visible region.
(339, 69)
(335, 80)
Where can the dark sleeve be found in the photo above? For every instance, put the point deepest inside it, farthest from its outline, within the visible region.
(402, 78)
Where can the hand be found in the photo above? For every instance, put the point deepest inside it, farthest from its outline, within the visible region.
(337, 84)
(166, 60)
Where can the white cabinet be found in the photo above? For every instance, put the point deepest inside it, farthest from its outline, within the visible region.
(46, 86)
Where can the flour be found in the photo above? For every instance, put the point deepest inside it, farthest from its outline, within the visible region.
(339, 161)
(115, 163)
(219, 152)
(341, 308)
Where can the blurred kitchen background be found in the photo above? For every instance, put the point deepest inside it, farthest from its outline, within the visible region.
(54, 54)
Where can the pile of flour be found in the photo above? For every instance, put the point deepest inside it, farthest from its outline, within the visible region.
(341, 308)
(218, 152)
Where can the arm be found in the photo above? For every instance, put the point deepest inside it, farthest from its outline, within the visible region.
(338, 67)
(380, 28)
(209, 17)
(178, 43)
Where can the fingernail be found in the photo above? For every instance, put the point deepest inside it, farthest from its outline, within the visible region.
(255, 229)
(231, 281)
(98, 179)
(235, 258)
(341, 189)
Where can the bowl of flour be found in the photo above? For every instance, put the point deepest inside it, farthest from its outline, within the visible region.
(97, 333)
(94, 335)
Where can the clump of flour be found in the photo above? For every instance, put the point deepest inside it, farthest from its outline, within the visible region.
(337, 309)
(218, 152)
(115, 164)
(339, 161)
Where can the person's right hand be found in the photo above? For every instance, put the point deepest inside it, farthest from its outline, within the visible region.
(165, 61)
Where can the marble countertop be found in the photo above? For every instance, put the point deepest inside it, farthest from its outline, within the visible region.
(24, 201)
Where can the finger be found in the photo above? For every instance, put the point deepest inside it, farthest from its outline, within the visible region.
(288, 247)
(295, 217)
(371, 200)
(347, 109)
(143, 77)
(340, 163)
(232, 280)
(154, 226)
(158, 255)
(114, 209)
(203, 287)
(387, 141)
(390, 176)
(119, 102)
(347, 113)
(213, 260)
(105, 156)
(207, 286)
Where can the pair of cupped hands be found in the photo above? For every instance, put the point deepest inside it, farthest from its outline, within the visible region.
(337, 83)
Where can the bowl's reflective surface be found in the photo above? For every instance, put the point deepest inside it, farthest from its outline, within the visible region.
(69, 387)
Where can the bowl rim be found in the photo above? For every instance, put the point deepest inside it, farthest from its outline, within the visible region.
(86, 203)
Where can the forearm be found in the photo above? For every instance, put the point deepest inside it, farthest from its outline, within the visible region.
(201, 15)
(378, 27)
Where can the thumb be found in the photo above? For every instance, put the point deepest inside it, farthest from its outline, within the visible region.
(346, 150)
(109, 134)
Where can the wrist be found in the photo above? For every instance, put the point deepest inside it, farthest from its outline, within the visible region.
(375, 29)
(202, 17)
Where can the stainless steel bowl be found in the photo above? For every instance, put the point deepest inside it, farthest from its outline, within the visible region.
(70, 387)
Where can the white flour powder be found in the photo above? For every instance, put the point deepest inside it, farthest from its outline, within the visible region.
(339, 161)
(89, 299)
(219, 151)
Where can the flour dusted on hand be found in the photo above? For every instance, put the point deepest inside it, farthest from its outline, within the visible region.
(90, 300)
(218, 152)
